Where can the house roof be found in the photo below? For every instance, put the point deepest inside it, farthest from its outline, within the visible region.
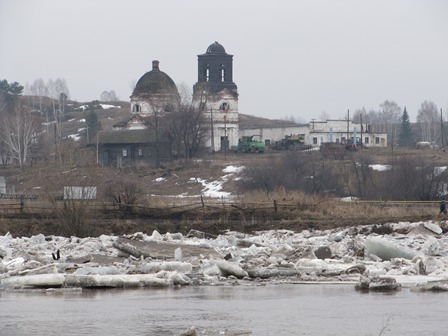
(248, 122)
(126, 136)
(129, 119)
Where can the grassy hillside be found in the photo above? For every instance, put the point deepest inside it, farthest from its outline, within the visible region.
(174, 197)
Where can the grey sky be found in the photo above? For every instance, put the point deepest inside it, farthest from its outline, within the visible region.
(291, 57)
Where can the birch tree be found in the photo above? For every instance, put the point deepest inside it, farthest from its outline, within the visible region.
(391, 115)
(428, 121)
(19, 132)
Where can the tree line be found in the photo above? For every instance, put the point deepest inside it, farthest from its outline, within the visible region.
(28, 124)
(403, 177)
(395, 121)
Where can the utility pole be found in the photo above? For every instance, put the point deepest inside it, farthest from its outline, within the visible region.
(213, 135)
(348, 125)
(360, 118)
(97, 149)
(441, 126)
(225, 136)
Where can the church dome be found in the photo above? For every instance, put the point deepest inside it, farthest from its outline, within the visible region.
(215, 48)
(155, 81)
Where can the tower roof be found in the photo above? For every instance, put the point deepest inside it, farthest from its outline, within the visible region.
(215, 48)
(155, 81)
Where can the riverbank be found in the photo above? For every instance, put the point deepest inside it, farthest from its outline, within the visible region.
(413, 253)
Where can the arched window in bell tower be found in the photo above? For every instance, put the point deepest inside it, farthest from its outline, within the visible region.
(222, 72)
(207, 73)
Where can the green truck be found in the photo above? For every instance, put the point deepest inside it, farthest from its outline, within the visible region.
(247, 144)
(291, 142)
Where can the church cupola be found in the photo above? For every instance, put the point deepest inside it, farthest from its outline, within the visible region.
(215, 68)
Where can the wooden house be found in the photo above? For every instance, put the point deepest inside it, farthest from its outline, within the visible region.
(120, 148)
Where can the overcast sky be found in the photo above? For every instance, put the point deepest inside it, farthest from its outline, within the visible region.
(291, 57)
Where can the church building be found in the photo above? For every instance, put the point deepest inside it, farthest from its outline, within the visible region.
(217, 95)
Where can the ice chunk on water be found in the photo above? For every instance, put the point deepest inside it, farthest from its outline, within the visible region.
(386, 249)
(227, 268)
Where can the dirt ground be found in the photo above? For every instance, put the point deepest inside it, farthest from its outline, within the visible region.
(28, 225)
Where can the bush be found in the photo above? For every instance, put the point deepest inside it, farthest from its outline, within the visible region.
(124, 194)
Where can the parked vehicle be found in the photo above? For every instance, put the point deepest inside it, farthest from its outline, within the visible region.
(247, 144)
(291, 142)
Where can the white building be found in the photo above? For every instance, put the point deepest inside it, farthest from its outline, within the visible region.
(217, 94)
(318, 132)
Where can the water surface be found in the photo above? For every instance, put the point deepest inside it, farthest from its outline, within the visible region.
(262, 310)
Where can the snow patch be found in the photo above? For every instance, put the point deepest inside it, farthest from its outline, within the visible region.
(108, 106)
(380, 167)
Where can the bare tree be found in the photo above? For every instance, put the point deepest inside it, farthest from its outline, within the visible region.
(19, 131)
(428, 122)
(125, 194)
(190, 130)
(359, 114)
(324, 115)
(188, 126)
(158, 122)
(109, 96)
(391, 119)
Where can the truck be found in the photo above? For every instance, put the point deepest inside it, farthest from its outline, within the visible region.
(291, 142)
(247, 144)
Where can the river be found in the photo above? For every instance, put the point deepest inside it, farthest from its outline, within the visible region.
(311, 309)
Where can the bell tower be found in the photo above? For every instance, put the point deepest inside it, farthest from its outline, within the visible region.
(217, 95)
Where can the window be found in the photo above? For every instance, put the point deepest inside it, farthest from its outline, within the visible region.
(140, 152)
(207, 73)
(222, 73)
(136, 108)
(314, 141)
(125, 152)
(366, 140)
(224, 106)
(377, 140)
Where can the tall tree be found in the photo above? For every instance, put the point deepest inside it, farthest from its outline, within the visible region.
(189, 127)
(92, 123)
(109, 96)
(190, 130)
(390, 118)
(428, 122)
(19, 132)
(406, 137)
(9, 93)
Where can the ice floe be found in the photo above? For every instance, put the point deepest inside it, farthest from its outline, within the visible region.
(409, 254)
